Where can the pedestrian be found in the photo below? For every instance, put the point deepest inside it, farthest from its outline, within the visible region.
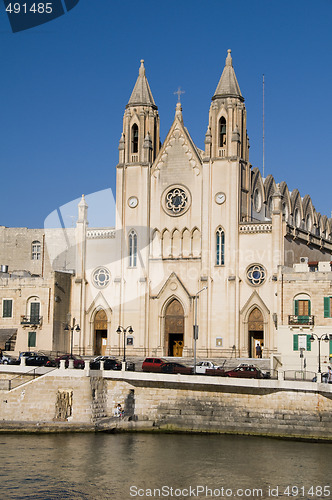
(329, 375)
(258, 351)
(118, 411)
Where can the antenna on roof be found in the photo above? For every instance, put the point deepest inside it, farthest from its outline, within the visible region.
(263, 131)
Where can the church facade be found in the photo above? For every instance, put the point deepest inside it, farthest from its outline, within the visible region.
(200, 239)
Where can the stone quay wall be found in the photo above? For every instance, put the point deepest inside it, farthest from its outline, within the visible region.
(67, 399)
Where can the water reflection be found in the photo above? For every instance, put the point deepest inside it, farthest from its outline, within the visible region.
(105, 466)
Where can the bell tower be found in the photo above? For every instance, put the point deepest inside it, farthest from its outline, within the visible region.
(227, 132)
(226, 139)
(140, 141)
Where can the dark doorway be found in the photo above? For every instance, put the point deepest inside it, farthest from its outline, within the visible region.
(100, 325)
(256, 333)
(174, 328)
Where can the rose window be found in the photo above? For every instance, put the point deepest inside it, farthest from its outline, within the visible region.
(101, 277)
(256, 274)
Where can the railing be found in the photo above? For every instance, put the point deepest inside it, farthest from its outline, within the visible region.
(299, 375)
(12, 383)
(31, 320)
(294, 319)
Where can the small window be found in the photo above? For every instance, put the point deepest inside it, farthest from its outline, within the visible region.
(134, 138)
(327, 307)
(31, 339)
(222, 132)
(36, 250)
(302, 309)
(132, 249)
(301, 342)
(220, 247)
(7, 308)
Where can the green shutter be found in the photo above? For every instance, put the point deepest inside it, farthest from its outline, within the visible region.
(7, 307)
(296, 307)
(308, 343)
(327, 312)
(295, 342)
(330, 347)
(32, 339)
(309, 307)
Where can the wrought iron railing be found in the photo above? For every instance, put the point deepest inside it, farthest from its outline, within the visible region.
(294, 319)
(31, 320)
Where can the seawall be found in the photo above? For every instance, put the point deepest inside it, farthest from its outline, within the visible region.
(76, 400)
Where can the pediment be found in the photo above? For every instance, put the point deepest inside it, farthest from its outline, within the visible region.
(254, 300)
(178, 143)
(173, 279)
(99, 302)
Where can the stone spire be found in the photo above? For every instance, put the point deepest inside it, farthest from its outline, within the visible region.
(141, 95)
(228, 85)
(82, 210)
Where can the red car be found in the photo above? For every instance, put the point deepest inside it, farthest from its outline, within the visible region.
(78, 361)
(176, 368)
(153, 364)
(245, 371)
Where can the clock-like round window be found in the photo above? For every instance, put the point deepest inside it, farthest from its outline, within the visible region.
(176, 200)
(256, 274)
(101, 277)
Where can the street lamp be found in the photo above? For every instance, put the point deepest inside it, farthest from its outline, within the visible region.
(324, 337)
(196, 327)
(124, 330)
(71, 328)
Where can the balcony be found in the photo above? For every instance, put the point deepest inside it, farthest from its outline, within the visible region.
(295, 320)
(31, 320)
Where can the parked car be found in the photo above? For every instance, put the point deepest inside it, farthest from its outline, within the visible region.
(109, 363)
(8, 360)
(38, 360)
(171, 367)
(246, 371)
(153, 364)
(202, 366)
(78, 361)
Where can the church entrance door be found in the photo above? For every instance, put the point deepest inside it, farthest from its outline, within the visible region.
(256, 333)
(100, 327)
(174, 328)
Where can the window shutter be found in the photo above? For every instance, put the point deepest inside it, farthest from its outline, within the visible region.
(330, 348)
(327, 312)
(296, 307)
(7, 308)
(308, 343)
(295, 342)
(32, 339)
(309, 307)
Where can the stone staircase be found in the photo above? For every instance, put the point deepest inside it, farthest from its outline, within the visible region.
(99, 399)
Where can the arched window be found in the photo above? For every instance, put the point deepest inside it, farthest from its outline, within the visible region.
(132, 249)
(134, 138)
(222, 132)
(220, 247)
(302, 310)
(36, 250)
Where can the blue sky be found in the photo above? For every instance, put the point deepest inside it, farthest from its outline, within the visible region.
(64, 87)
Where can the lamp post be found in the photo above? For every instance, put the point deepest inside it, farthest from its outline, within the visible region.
(196, 327)
(124, 330)
(324, 337)
(71, 329)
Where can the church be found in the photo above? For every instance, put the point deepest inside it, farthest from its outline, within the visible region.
(200, 239)
(202, 247)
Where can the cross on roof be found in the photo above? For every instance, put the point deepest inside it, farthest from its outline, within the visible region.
(179, 92)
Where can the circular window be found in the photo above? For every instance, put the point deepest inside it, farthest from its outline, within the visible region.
(176, 200)
(256, 274)
(257, 200)
(101, 277)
